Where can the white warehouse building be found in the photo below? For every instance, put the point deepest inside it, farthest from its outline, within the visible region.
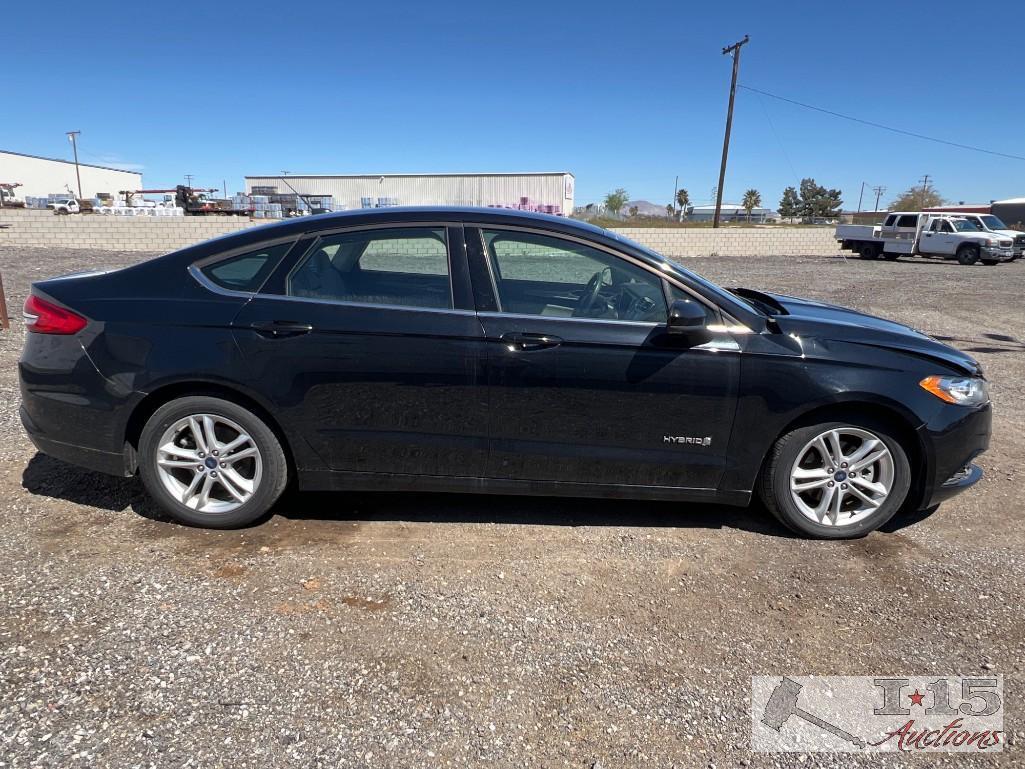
(40, 176)
(543, 192)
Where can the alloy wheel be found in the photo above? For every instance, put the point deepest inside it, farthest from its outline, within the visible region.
(842, 476)
(209, 463)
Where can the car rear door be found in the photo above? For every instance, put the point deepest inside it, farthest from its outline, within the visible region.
(577, 398)
(368, 345)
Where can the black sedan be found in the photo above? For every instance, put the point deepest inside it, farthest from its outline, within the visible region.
(488, 351)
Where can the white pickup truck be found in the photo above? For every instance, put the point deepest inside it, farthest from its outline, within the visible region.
(994, 226)
(918, 234)
(64, 206)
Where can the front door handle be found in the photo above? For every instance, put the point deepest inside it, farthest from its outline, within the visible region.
(277, 329)
(521, 342)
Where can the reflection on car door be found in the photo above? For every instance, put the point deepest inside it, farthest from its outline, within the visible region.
(364, 351)
(596, 393)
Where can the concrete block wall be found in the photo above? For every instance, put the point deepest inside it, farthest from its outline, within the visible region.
(44, 229)
(113, 233)
(736, 241)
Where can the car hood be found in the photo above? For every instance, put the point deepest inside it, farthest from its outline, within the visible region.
(805, 317)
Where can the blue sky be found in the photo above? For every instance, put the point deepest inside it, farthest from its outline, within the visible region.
(622, 95)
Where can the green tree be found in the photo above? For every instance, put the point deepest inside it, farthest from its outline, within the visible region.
(670, 211)
(683, 201)
(615, 201)
(634, 210)
(917, 198)
(752, 199)
(817, 202)
(790, 204)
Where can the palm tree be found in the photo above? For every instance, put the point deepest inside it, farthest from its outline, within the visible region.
(752, 199)
(682, 200)
(669, 211)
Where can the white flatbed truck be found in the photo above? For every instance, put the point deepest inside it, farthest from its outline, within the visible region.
(944, 236)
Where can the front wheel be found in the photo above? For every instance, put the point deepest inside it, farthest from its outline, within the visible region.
(967, 255)
(209, 462)
(836, 480)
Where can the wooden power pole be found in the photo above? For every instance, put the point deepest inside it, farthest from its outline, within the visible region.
(734, 50)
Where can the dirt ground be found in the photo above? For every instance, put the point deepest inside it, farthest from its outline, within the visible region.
(405, 630)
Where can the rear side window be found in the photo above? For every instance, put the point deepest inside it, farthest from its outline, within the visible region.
(246, 272)
(402, 266)
(890, 220)
(908, 220)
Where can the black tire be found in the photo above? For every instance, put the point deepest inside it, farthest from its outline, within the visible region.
(990, 262)
(774, 482)
(968, 254)
(273, 478)
(868, 251)
(890, 257)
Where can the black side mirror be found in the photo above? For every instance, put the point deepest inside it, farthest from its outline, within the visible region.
(686, 317)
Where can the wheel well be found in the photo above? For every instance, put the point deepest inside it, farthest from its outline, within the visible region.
(856, 412)
(148, 406)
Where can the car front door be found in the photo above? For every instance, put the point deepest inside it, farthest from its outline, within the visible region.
(585, 384)
(368, 346)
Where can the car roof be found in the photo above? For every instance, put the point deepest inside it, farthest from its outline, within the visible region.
(316, 223)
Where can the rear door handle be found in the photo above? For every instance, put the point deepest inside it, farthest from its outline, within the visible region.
(520, 342)
(277, 329)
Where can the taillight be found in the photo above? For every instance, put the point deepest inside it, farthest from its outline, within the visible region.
(44, 317)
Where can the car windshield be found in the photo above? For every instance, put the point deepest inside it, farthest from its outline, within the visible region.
(671, 266)
(963, 225)
(993, 222)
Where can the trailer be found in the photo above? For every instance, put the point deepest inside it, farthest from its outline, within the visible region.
(943, 236)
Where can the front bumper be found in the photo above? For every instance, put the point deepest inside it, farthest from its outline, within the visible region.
(997, 254)
(954, 439)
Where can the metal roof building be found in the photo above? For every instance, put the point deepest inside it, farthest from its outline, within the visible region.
(543, 192)
(41, 176)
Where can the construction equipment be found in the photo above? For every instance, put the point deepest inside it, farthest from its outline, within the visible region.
(782, 704)
(193, 200)
(7, 197)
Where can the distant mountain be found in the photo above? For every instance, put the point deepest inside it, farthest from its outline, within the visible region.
(645, 208)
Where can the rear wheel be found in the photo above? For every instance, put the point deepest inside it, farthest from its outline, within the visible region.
(836, 480)
(890, 257)
(968, 254)
(868, 251)
(209, 462)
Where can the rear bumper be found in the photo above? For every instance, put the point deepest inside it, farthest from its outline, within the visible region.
(69, 410)
(111, 463)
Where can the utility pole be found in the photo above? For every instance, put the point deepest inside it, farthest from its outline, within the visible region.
(879, 193)
(188, 180)
(676, 186)
(733, 50)
(74, 147)
(860, 196)
(925, 188)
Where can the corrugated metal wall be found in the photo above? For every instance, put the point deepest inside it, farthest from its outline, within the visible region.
(41, 177)
(554, 189)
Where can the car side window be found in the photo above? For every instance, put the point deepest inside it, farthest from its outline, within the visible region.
(945, 227)
(908, 220)
(403, 266)
(246, 272)
(543, 275)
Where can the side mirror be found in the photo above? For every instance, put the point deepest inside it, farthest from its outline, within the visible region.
(686, 317)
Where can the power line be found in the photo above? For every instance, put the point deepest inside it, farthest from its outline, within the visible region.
(880, 125)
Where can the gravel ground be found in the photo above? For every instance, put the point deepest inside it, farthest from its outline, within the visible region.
(433, 630)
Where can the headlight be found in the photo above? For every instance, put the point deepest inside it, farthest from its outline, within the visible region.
(961, 391)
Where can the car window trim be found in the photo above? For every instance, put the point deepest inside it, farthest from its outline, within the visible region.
(195, 269)
(590, 244)
(320, 235)
(347, 303)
